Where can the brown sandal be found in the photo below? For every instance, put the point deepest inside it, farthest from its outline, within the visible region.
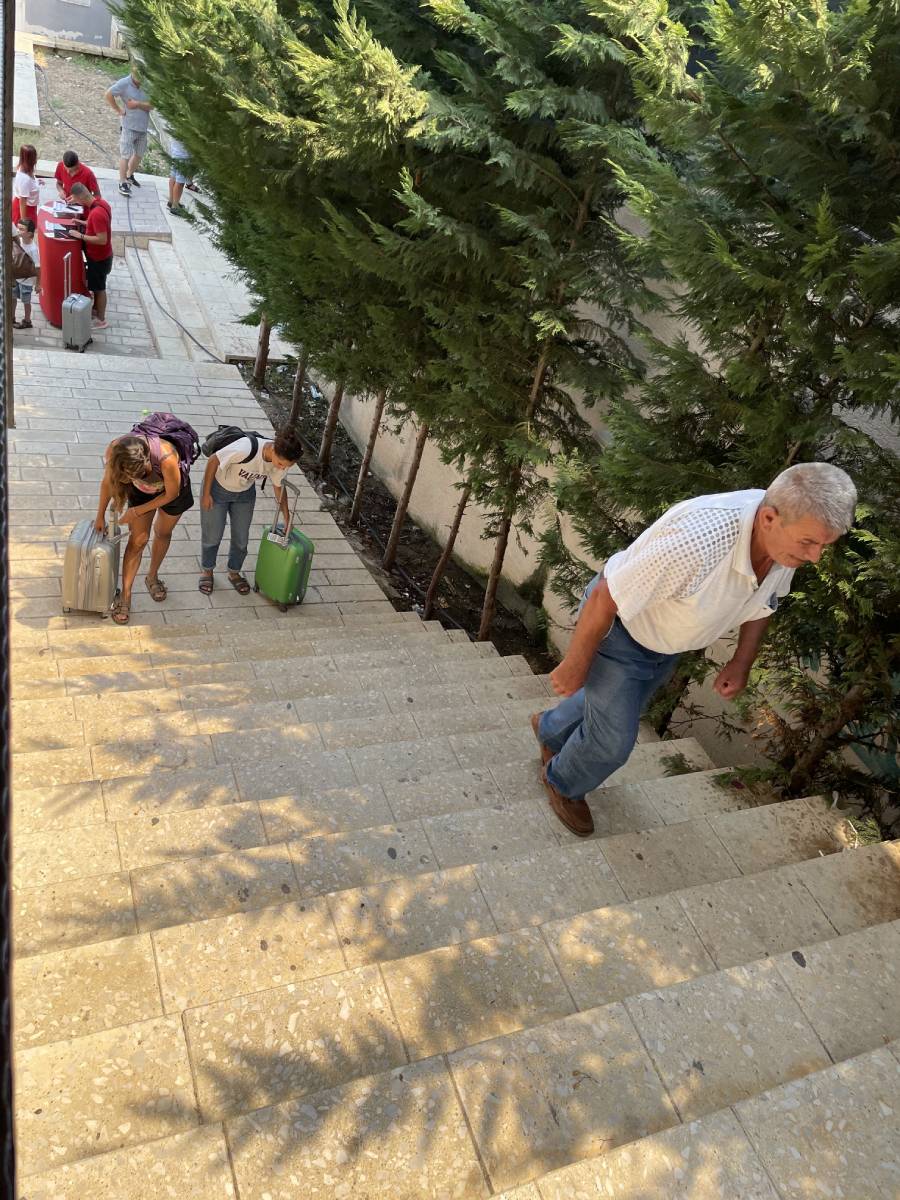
(120, 611)
(206, 583)
(157, 589)
(239, 583)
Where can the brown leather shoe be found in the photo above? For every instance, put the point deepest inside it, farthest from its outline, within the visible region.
(574, 814)
(546, 752)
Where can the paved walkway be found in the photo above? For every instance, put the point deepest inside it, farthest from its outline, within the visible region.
(293, 917)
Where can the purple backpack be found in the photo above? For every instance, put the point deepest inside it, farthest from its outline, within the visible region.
(182, 436)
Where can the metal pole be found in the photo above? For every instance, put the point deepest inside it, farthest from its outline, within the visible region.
(7, 1149)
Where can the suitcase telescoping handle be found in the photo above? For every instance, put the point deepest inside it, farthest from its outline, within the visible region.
(67, 275)
(286, 483)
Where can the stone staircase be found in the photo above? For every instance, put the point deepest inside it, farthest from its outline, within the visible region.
(293, 918)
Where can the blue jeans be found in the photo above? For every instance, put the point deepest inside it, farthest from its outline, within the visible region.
(238, 506)
(593, 732)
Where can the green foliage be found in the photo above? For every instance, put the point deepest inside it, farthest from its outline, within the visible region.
(767, 192)
(419, 194)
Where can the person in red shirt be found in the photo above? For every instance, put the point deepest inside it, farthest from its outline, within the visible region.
(71, 171)
(96, 234)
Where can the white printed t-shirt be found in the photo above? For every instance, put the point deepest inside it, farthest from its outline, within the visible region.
(688, 580)
(237, 476)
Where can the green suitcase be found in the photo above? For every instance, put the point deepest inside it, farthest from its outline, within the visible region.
(284, 562)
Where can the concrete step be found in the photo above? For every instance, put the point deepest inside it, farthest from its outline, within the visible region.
(167, 336)
(514, 980)
(210, 809)
(183, 301)
(834, 1131)
(220, 875)
(304, 676)
(552, 1093)
(768, 1142)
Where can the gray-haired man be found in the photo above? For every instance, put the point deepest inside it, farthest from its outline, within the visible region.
(706, 567)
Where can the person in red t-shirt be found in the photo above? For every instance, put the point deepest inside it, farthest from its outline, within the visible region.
(71, 171)
(96, 235)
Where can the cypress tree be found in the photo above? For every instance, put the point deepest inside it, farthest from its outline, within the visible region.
(768, 193)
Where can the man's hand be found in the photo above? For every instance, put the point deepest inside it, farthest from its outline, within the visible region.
(206, 501)
(731, 680)
(567, 678)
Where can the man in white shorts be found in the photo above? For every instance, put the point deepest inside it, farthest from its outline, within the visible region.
(706, 567)
(135, 118)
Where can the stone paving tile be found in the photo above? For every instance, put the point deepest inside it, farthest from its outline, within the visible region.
(834, 1133)
(101, 1092)
(332, 810)
(74, 992)
(724, 1037)
(708, 1159)
(234, 718)
(743, 919)
(496, 691)
(202, 697)
(287, 740)
(51, 767)
(458, 995)
(399, 1134)
(470, 718)
(368, 731)
(190, 788)
(73, 913)
(559, 1092)
(124, 681)
(354, 859)
(548, 885)
(150, 755)
(849, 989)
(95, 707)
(103, 730)
(857, 887)
(301, 774)
(402, 760)
(489, 749)
(147, 841)
(36, 734)
(419, 699)
(196, 889)
(488, 833)
(54, 855)
(441, 792)
(522, 780)
(649, 760)
(665, 859)
(71, 805)
(623, 950)
(407, 916)
(621, 809)
(778, 834)
(275, 1045)
(685, 796)
(193, 1164)
(245, 952)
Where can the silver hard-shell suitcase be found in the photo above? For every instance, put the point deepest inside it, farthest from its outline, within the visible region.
(91, 568)
(76, 313)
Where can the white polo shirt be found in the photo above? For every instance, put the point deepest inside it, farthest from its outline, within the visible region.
(688, 579)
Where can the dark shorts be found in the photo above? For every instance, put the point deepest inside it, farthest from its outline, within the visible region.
(97, 271)
(182, 502)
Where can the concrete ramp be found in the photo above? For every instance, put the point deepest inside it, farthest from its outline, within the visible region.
(26, 112)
